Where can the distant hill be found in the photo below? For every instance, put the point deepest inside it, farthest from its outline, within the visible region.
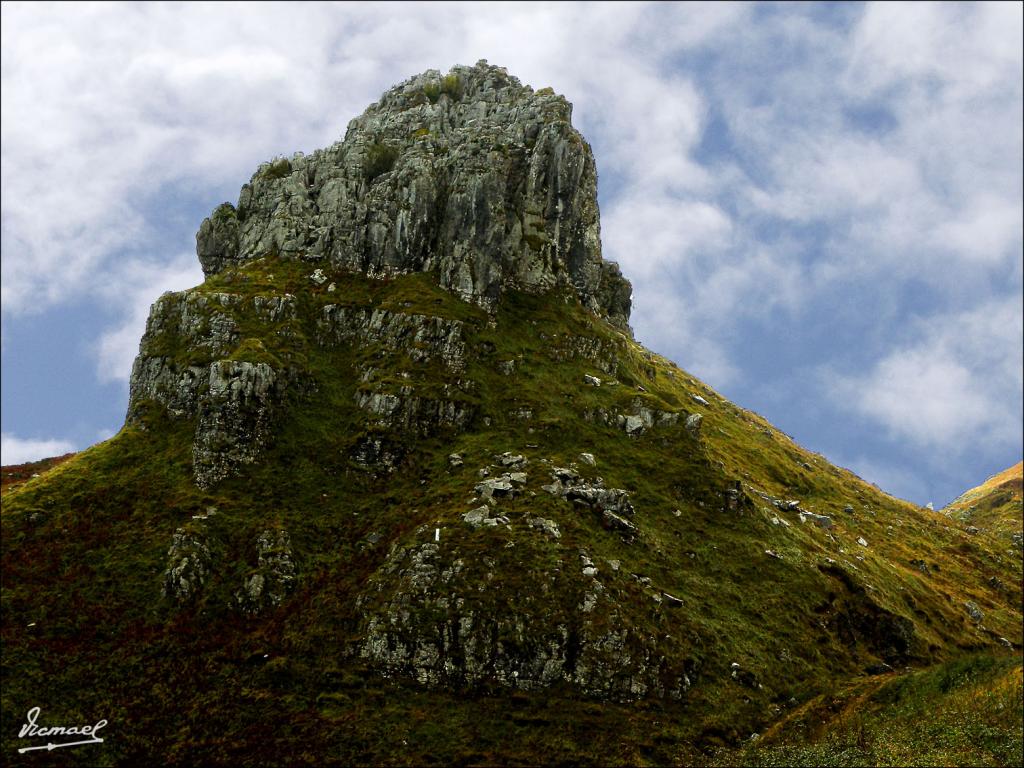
(995, 506)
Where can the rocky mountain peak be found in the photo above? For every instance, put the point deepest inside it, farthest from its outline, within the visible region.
(471, 176)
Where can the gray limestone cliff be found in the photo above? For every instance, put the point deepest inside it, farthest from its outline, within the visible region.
(472, 176)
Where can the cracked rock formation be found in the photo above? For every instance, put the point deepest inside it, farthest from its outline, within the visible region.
(473, 177)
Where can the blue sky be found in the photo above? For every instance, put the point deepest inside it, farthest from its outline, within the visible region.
(819, 205)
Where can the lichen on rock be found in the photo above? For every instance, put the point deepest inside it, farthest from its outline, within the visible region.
(488, 186)
(425, 615)
(235, 418)
(274, 577)
(189, 563)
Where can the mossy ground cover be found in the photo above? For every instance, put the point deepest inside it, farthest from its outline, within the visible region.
(995, 506)
(967, 712)
(87, 634)
(16, 474)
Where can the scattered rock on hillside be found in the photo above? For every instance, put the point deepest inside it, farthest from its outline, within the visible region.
(550, 527)
(974, 611)
(495, 486)
(672, 601)
(275, 576)
(645, 418)
(481, 518)
(634, 425)
(743, 676)
(612, 504)
(508, 484)
(511, 460)
(189, 565)
(822, 521)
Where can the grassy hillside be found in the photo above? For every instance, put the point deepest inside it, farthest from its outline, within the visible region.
(995, 506)
(16, 474)
(718, 574)
(964, 712)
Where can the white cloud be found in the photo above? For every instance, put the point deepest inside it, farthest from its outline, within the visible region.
(106, 107)
(985, 230)
(17, 450)
(654, 235)
(955, 389)
(966, 47)
(136, 288)
(129, 104)
(925, 183)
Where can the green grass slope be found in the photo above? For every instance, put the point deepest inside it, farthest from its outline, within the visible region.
(87, 635)
(995, 506)
(964, 712)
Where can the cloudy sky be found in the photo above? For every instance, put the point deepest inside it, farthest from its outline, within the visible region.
(820, 206)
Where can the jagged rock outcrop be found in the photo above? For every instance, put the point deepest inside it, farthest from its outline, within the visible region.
(185, 366)
(419, 336)
(414, 415)
(472, 176)
(200, 322)
(189, 562)
(612, 505)
(235, 418)
(425, 617)
(641, 418)
(275, 575)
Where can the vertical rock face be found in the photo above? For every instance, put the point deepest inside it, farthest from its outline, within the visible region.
(274, 577)
(235, 418)
(185, 367)
(471, 176)
(426, 616)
